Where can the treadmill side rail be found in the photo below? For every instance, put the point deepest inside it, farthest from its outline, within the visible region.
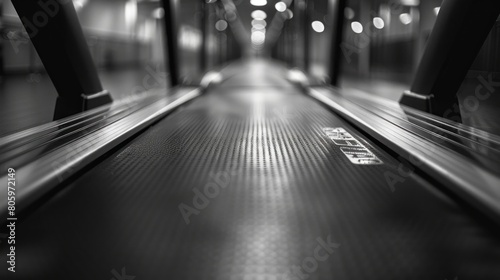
(472, 182)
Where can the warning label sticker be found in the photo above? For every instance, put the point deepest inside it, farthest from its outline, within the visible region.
(351, 148)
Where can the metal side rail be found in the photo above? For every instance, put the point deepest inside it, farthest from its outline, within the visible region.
(20, 148)
(462, 159)
(46, 156)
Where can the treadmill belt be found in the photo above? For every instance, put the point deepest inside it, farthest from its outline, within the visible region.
(250, 182)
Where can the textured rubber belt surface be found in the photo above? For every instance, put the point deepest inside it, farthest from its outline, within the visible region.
(289, 204)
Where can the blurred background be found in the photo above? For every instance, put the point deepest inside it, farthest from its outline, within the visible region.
(383, 41)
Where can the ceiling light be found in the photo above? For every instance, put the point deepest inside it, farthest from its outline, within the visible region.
(158, 13)
(378, 22)
(259, 22)
(258, 26)
(280, 6)
(436, 10)
(357, 27)
(410, 2)
(405, 18)
(258, 2)
(221, 25)
(349, 13)
(258, 14)
(318, 26)
(258, 37)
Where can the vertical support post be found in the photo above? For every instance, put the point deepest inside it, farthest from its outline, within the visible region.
(282, 40)
(290, 25)
(365, 52)
(336, 9)
(220, 12)
(210, 51)
(171, 42)
(224, 39)
(203, 28)
(298, 12)
(229, 46)
(221, 49)
(274, 51)
(286, 42)
(281, 46)
(1, 44)
(308, 7)
(459, 33)
(57, 35)
(232, 46)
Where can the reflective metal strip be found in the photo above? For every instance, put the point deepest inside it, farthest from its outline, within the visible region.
(456, 172)
(43, 174)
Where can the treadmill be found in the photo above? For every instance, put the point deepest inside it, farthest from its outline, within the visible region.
(257, 172)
